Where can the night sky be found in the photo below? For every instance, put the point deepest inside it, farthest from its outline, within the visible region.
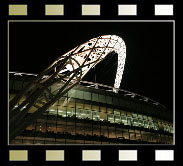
(149, 60)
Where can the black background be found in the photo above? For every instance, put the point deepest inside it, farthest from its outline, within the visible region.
(146, 153)
(149, 60)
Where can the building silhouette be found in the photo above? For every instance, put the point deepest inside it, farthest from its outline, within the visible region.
(92, 113)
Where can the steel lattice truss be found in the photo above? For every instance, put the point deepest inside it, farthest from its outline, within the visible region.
(63, 74)
(96, 49)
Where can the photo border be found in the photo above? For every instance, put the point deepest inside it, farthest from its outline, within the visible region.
(8, 25)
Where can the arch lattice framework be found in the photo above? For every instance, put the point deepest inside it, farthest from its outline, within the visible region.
(64, 73)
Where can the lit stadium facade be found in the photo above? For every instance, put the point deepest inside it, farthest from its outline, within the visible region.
(92, 113)
(57, 107)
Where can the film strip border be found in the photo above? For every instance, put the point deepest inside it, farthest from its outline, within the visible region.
(88, 9)
(60, 155)
(89, 155)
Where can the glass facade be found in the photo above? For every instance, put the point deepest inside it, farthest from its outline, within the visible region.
(92, 116)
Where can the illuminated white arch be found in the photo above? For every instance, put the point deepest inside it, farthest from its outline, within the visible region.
(62, 75)
(95, 50)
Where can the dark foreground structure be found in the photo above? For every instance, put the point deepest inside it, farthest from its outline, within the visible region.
(92, 113)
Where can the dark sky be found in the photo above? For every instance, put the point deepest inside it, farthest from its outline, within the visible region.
(149, 60)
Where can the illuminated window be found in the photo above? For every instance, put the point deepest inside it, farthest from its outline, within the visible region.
(156, 126)
(70, 112)
(60, 128)
(95, 107)
(79, 129)
(119, 133)
(88, 114)
(146, 124)
(79, 94)
(62, 111)
(134, 115)
(132, 135)
(102, 99)
(109, 110)
(129, 114)
(71, 128)
(141, 123)
(95, 97)
(79, 104)
(88, 129)
(78, 113)
(87, 106)
(112, 133)
(151, 124)
(103, 116)
(87, 95)
(53, 111)
(149, 117)
(135, 122)
(96, 116)
(144, 117)
(110, 118)
(41, 127)
(71, 103)
(129, 121)
(116, 112)
(124, 120)
(102, 109)
(104, 131)
(123, 113)
(138, 135)
(140, 116)
(144, 136)
(117, 119)
(125, 133)
(83, 114)
(72, 93)
(96, 130)
(31, 127)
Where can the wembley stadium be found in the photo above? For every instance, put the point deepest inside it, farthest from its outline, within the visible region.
(57, 106)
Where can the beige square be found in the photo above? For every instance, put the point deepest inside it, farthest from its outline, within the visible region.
(18, 155)
(54, 10)
(17, 10)
(127, 155)
(127, 9)
(91, 155)
(54, 155)
(90, 10)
